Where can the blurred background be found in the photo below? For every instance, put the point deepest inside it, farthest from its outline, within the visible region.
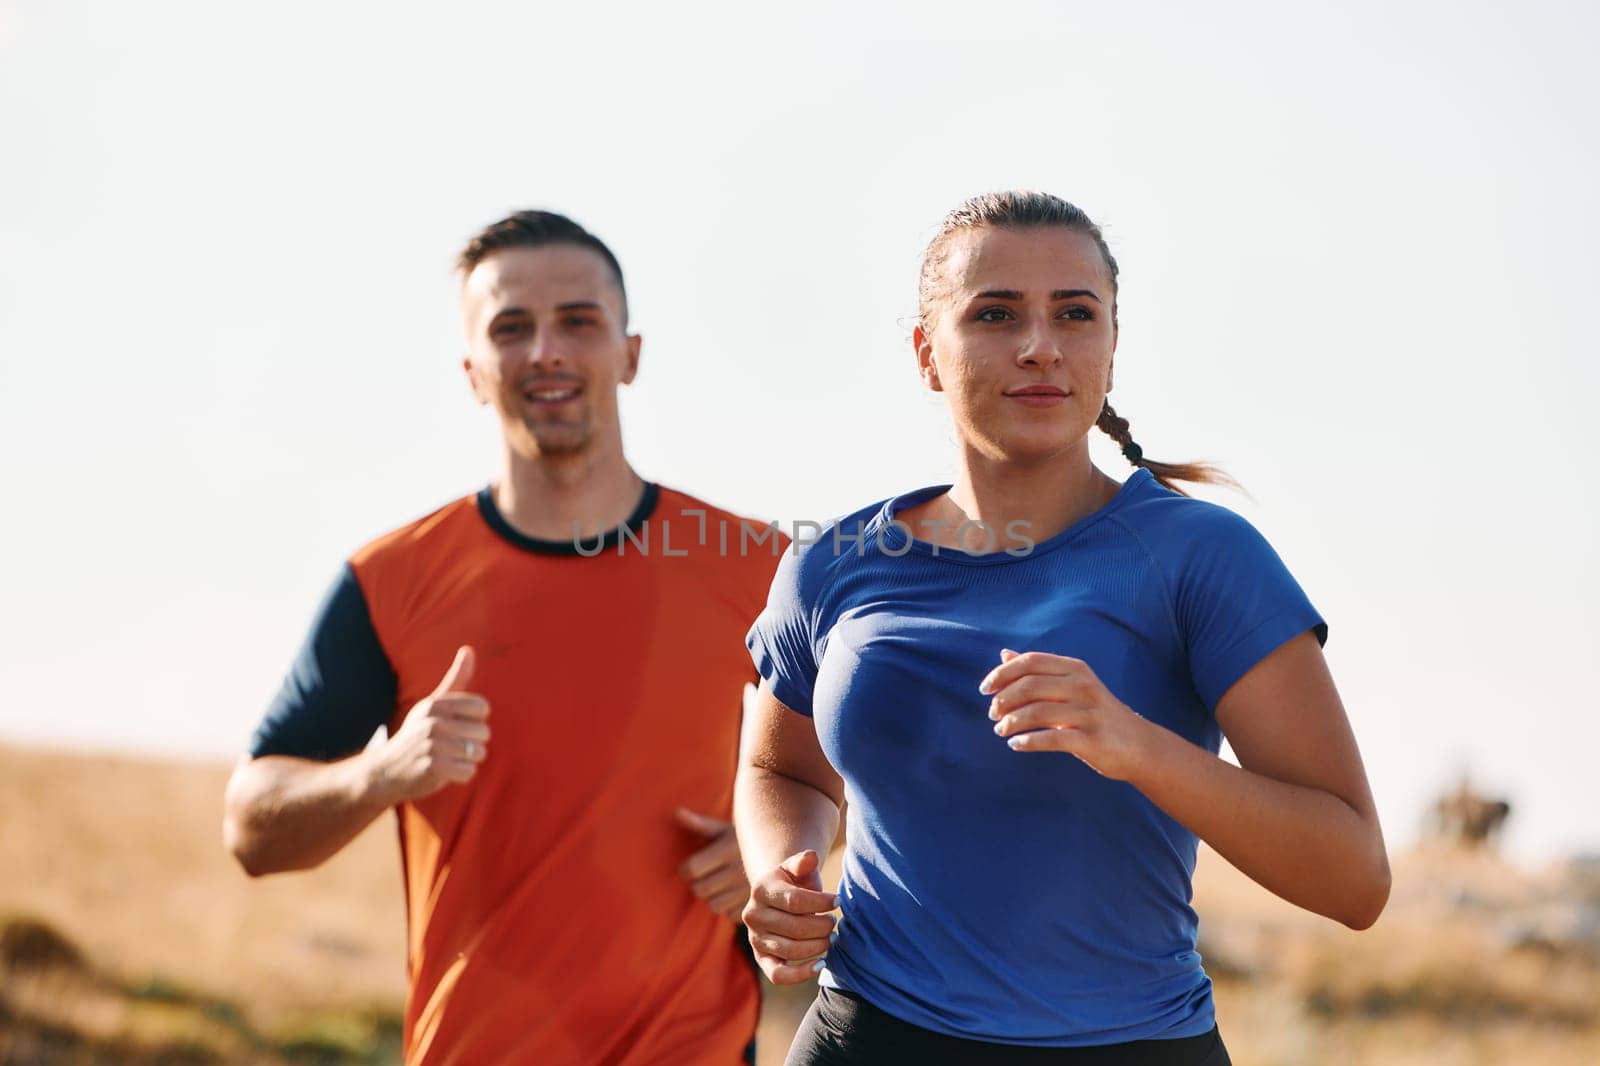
(1358, 253)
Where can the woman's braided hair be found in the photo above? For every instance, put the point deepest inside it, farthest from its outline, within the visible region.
(1033, 210)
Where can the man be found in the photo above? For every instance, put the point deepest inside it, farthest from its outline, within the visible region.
(559, 661)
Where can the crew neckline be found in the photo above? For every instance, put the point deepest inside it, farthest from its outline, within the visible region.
(606, 541)
(892, 535)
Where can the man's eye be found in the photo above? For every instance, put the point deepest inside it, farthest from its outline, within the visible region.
(993, 314)
(578, 321)
(508, 329)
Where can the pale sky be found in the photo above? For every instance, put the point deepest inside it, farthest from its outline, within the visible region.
(1358, 244)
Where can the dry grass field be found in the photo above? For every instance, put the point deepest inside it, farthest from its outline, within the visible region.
(128, 936)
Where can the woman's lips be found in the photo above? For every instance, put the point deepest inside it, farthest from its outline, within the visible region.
(1038, 397)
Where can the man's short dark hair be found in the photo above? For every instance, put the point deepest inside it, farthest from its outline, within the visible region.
(537, 229)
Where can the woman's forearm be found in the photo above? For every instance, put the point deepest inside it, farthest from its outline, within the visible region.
(1304, 844)
(777, 816)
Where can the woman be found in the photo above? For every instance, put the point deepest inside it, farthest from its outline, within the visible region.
(1024, 897)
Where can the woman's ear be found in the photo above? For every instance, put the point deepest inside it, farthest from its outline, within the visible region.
(927, 369)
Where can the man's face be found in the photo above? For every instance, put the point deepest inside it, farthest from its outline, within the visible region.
(547, 346)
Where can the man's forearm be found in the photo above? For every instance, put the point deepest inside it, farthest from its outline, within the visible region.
(777, 816)
(284, 813)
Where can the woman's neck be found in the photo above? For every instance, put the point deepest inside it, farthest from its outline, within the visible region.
(1017, 503)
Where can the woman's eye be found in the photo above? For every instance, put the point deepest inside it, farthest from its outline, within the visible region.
(1081, 314)
(993, 314)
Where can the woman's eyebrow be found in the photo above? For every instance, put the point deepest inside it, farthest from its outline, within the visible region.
(1059, 294)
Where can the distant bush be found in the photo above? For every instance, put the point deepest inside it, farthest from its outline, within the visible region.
(31, 944)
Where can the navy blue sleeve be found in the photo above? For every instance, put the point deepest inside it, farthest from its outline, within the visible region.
(339, 691)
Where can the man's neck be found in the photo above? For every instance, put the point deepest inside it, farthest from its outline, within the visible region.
(563, 497)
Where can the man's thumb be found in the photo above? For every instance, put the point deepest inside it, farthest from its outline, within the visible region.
(800, 865)
(699, 823)
(459, 676)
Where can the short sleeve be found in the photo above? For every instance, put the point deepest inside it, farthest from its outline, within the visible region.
(340, 689)
(781, 641)
(1236, 603)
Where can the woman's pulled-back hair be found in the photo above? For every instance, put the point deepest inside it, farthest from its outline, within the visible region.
(1037, 210)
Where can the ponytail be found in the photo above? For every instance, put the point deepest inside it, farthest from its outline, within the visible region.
(1116, 427)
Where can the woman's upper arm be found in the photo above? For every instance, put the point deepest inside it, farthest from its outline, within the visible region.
(784, 742)
(1284, 720)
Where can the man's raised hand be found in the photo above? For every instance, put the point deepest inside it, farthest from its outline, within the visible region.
(442, 740)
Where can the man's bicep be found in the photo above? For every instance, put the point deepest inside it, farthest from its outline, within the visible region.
(340, 689)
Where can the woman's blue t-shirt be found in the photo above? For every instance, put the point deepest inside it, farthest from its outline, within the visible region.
(1000, 895)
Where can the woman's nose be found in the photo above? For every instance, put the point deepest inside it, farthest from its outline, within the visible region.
(1039, 348)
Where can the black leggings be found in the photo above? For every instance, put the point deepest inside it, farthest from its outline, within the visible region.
(842, 1029)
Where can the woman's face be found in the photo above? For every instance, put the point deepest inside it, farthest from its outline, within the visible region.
(1021, 340)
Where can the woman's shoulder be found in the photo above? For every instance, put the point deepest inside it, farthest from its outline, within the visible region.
(1178, 528)
(839, 535)
(819, 549)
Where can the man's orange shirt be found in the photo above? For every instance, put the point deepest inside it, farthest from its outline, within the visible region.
(547, 919)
